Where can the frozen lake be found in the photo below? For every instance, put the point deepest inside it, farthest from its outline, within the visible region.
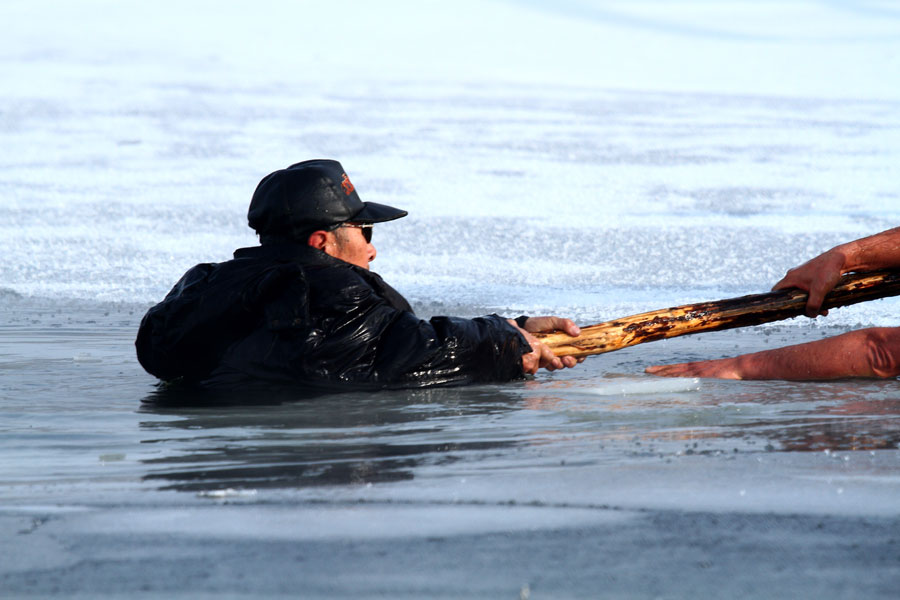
(591, 159)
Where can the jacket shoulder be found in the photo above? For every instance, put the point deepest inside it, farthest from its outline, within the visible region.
(212, 306)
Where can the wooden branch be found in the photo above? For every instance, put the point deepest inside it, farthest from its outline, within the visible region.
(714, 316)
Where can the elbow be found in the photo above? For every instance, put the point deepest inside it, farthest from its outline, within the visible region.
(883, 352)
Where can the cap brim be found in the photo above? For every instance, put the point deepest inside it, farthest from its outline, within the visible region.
(373, 212)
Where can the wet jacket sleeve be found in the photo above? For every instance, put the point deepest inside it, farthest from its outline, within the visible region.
(358, 336)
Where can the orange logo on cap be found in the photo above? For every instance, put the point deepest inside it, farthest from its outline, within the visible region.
(346, 185)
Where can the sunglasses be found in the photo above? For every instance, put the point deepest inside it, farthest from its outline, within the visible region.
(366, 229)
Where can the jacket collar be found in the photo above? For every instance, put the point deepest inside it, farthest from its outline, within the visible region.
(291, 252)
(305, 255)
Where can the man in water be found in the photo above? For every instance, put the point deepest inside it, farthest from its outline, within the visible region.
(304, 309)
(873, 352)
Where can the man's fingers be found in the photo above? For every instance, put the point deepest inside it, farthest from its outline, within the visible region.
(541, 356)
(660, 370)
(816, 295)
(817, 277)
(569, 326)
(724, 368)
(531, 362)
(549, 361)
(548, 324)
(814, 303)
(691, 369)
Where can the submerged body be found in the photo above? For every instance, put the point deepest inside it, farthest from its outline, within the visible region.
(293, 314)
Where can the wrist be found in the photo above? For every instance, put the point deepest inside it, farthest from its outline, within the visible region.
(846, 257)
(740, 366)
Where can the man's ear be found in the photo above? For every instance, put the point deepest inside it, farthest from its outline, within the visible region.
(317, 239)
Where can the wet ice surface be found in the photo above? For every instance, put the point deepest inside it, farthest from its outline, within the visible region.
(589, 159)
(556, 485)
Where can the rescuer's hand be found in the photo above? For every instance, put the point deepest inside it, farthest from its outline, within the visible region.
(817, 276)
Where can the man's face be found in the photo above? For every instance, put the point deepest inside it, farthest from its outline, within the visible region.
(349, 244)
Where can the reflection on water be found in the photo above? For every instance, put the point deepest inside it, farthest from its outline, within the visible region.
(367, 438)
(332, 439)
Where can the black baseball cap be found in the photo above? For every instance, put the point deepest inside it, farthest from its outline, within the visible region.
(310, 195)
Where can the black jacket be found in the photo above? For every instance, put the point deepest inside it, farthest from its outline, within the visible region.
(289, 313)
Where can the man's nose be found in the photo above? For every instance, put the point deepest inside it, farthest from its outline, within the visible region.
(372, 252)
